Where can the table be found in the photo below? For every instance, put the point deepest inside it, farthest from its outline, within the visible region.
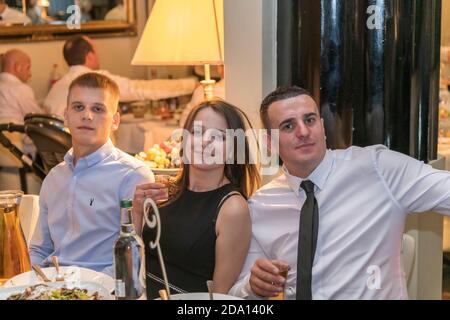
(138, 134)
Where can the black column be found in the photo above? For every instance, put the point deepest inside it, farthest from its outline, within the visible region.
(373, 66)
(340, 69)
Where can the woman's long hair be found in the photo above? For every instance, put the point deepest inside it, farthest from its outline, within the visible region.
(244, 176)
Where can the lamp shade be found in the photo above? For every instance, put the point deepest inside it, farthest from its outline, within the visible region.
(182, 32)
(43, 3)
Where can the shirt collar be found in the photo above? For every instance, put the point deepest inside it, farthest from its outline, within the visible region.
(319, 176)
(91, 159)
(9, 77)
(79, 67)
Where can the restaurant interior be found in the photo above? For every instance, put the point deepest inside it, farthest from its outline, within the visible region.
(260, 46)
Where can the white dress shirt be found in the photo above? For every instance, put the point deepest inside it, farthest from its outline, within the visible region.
(79, 218)
(13, 16)
(130, 90)
(364, 196)
(16, 99)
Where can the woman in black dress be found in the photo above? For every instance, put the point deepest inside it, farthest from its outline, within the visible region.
(205, 226)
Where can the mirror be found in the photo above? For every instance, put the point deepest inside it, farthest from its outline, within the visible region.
(38, 20)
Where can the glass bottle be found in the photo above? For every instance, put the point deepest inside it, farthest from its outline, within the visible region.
(14, 258)
(129, 262)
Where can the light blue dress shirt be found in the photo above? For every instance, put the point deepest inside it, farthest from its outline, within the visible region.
(364, 196)
(79, 218)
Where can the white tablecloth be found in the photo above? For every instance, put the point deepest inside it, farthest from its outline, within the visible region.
(135, 135)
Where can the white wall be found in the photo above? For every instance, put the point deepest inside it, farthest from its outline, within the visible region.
(250, 53)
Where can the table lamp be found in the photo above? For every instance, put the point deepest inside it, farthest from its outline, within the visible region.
(183, 32)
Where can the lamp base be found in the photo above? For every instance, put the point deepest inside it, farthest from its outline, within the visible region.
(208, 89)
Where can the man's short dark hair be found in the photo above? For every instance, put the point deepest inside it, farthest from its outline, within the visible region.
(281, 93)
(75, 50)
(96, 80)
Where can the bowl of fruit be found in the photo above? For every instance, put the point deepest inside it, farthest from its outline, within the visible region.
(162, 158)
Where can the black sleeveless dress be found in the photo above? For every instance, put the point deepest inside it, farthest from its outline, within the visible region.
(188, 241)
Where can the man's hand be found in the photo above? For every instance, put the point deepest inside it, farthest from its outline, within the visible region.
(265, 280)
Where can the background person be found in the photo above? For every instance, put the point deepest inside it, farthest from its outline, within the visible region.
(81, 55)
(16, 96)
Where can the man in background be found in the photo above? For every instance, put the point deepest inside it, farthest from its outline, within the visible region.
(16, 96)
(16, 100)
(81, 55)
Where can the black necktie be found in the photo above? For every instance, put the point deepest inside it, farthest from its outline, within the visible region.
(307, 239)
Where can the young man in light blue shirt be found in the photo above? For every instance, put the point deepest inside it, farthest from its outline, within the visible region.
(79, 217)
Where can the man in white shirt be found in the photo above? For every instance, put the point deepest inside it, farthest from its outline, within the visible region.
(11, 16)
(79, 218)
(16, 97)
(81, 55)
(360, 198)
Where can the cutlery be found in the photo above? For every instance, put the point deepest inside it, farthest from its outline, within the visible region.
(210, 285)
(40, 273)
(59, 276)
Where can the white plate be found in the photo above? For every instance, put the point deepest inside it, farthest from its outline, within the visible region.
(71, 274)
(91, 287)
(172, 172)
(201, 296)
